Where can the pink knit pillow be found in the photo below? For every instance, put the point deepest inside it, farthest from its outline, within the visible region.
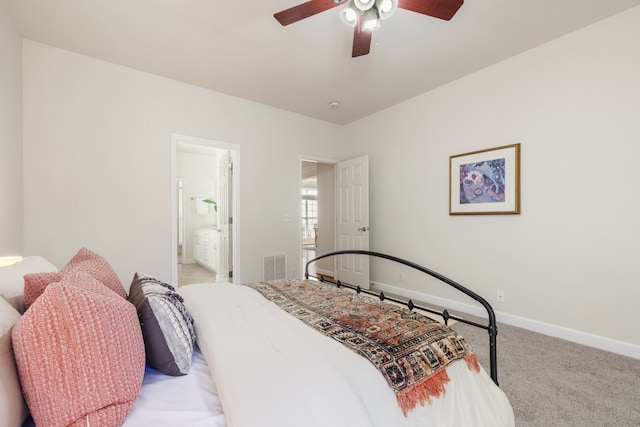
(92, 263)
(80, 354)
(86, 281)
(35, 284)
(84, 260)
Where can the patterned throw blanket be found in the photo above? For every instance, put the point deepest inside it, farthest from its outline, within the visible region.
(409, 349)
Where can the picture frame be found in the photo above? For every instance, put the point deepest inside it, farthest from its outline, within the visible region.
(485, 182)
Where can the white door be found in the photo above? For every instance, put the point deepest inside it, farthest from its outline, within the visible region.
(225, 215)
(352, 220)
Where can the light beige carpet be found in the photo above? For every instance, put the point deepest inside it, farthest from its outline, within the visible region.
(553, 382)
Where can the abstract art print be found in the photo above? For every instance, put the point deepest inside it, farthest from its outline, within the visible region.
(485, 181)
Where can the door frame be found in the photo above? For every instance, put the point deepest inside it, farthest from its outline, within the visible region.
(180, 227)
(235, 230)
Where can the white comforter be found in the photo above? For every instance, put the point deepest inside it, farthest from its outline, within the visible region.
(270, 369)
(186, 401)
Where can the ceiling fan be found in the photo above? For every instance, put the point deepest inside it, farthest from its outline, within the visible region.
(365, 15)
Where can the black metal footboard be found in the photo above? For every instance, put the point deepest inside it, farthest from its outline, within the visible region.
(491, 327)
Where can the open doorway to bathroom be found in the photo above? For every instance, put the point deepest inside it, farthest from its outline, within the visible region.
(317, 214)
(204, 203)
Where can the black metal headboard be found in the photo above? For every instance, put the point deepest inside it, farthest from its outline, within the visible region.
(491, 327)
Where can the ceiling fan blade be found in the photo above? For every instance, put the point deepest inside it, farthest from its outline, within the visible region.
(361, 41)
(443, 9)
(305, 10)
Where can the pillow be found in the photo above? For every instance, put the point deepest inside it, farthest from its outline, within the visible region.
(167, 327)
(92, 263)
(80, 354)
(86, 281)
(12, 405)
(11, 278)
(35, 284)
(84, 260)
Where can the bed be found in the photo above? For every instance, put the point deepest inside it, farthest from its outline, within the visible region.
(253, 363)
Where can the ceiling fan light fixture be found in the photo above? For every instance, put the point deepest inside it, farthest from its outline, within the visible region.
(365, 15)
(370, 20)
(364, 5)
(386, 8)
(349, 14)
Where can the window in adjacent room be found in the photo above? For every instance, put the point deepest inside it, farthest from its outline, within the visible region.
(309, 211)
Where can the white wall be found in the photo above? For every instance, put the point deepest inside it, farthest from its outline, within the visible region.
(10, 138)
(570, 259)
(97, 162)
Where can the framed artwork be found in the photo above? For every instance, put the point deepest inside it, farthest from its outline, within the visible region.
(485, 182)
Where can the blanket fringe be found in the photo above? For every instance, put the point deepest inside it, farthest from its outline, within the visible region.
(432, 386)
(422, 392)
(472, 362)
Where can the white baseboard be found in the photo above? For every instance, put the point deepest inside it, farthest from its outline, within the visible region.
(580, 337)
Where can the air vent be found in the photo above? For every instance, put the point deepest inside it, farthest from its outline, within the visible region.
(274, 266)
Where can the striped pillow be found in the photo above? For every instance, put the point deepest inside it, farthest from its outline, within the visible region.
(80, 354)
(167, 327)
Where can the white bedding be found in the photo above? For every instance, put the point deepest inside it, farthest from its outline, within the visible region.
(165, 401)
(272, 370)
(190, 400)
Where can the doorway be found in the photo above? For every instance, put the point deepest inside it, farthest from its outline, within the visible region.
(341, 190)
(204, 197)
(316, 214)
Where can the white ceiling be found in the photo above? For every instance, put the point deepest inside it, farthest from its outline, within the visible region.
(238, 48)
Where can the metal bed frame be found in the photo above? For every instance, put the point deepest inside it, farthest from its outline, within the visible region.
(491, 327)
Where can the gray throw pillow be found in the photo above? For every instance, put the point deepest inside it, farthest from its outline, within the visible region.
(167, 327)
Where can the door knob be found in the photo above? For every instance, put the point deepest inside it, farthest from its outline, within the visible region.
(365, 228)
